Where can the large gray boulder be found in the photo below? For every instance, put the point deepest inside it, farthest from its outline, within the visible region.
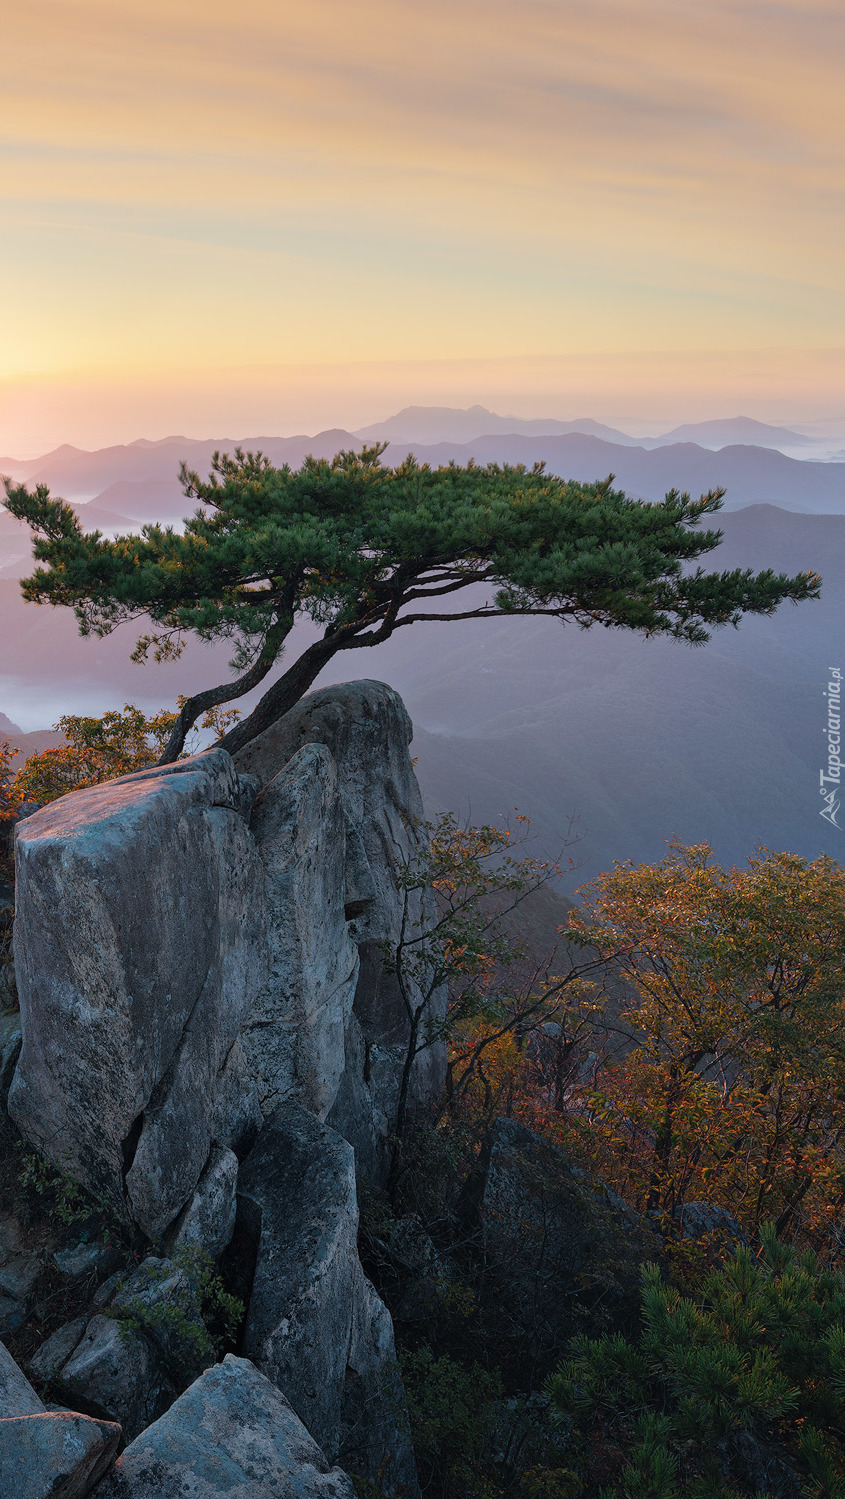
(314, 1324)
(552, 1235)
(295, 1034)
(17, 1397)
(139, 949)
(115, 1375)
(55, 1454)
(127, 1363)
(365, 727)
(707, 1220)
(232, 1435)
(48, 1359)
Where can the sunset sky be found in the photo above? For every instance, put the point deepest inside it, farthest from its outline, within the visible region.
(276, 217)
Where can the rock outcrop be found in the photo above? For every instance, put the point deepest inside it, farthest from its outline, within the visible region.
(315, 1326)
(139, 947)
(366, 729)
(209, 1016)
(232, 1435)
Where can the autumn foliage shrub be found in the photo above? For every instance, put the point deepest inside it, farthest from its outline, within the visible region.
(101, 749)
(733, 1086)
(96, 749)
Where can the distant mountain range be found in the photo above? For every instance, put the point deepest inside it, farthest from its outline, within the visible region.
(735, 429)
(432, 424)
(118, 488)
(23, 744)
(436, 424)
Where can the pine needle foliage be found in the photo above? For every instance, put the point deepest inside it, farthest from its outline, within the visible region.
(362, 550)
(754, 1362)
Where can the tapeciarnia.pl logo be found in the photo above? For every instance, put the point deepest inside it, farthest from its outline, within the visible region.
(831, 777)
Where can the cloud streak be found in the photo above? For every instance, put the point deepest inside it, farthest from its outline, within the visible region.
(392, 180)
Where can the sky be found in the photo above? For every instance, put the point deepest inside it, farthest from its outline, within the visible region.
(275, 218)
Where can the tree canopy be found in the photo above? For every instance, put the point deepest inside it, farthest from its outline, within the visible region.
(733, 1089)
(364, 550)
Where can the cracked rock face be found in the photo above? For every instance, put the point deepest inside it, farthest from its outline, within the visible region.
(140, 945)
(366, 730)
(297, 1202)
(315, 1326)
(295, 1035)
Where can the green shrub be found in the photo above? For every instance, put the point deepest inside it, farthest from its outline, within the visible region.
(760, 1351)
(191, 1326)
(452, 1411)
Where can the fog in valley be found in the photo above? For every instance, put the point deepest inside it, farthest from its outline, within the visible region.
(617, 742)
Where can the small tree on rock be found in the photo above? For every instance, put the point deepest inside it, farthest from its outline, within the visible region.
(364, 550)
(462, 943)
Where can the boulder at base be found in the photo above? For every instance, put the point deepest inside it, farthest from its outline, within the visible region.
(127, 1362)
(139, 948)
(314, 1324)
(232, 1435)
(17, 1397)
(54, 1455)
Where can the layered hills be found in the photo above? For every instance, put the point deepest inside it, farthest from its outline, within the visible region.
(139, 481)
(631, 741)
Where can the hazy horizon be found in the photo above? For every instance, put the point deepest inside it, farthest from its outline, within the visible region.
(288, 218)
(823, 431)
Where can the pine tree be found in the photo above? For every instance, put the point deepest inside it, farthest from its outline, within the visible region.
(365, 550)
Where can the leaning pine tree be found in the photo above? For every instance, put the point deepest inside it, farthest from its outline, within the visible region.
(365, 550)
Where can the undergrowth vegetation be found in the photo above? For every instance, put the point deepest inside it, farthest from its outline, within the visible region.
(749, 1370)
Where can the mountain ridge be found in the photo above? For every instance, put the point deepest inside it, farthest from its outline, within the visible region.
(750, 474)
